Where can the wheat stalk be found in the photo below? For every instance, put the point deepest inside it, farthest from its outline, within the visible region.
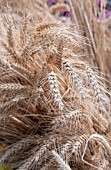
(100, 139)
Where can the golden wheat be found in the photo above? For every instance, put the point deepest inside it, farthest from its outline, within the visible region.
(48, 118)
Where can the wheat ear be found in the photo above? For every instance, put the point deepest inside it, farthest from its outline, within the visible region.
(73, 77)
(78, 148)
(10, 106)
(11, 43)
(94, 82)
(60, 161)
(12, 86)
(24, 30)
(45, 25)
(18, 146)
(34, 158)
(77, 116)
(74, 148)
(65, 148)
(52, 79)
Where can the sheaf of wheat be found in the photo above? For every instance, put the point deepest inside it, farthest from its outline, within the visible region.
(53, 109)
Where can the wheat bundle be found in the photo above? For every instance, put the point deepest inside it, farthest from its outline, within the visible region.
(54, 110)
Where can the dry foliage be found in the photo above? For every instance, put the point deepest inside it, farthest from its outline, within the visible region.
(54, 108)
